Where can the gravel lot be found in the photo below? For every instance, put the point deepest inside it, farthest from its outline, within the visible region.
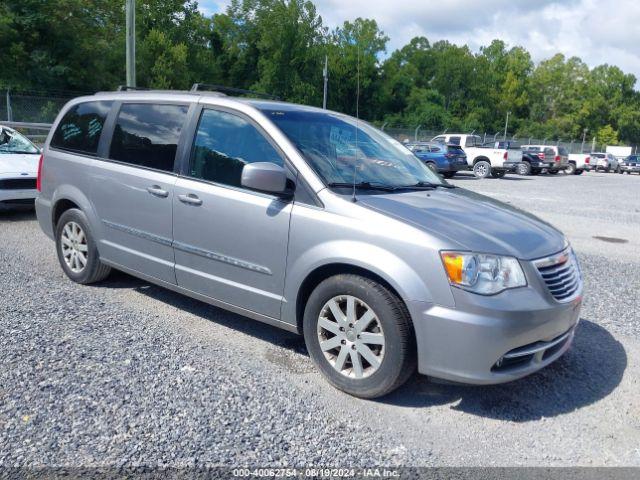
(126, 373)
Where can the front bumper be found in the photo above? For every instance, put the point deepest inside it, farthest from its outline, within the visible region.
(494, 339)
(630, 169)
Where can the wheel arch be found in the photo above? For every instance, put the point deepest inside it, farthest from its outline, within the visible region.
(321, 273)
(481, 159)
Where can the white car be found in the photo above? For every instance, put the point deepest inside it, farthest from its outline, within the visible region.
(484, 160)
(18, 169)
(604, 161)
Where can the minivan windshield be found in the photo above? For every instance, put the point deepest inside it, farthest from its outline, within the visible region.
(333, 147)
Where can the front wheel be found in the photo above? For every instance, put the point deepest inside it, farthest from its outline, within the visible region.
(571, 169)
(482, 169)
(76, 248)
(359, 334)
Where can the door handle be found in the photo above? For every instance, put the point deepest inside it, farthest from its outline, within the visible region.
(191, 199)
(157, 191)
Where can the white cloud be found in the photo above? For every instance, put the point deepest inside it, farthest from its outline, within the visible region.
(597, 31)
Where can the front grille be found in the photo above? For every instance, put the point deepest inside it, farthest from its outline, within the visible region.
(561, 274)
(18, 184)
(534, 352)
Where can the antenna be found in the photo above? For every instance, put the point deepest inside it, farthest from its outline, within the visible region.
(355, 163)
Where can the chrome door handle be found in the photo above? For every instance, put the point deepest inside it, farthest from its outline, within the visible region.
(191, 199)
(157, 191)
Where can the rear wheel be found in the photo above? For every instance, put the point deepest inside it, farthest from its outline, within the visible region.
(553, 172)
(432, 167)
(448, 174)
(579, 172)
(571, 169)
(358, 333)
(536, 171)
(618, 169)
(524, 168)
(482, 169)
(498, 173)
(77, 250)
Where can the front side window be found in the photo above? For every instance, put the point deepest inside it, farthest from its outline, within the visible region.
(80, 128)
(339, 148)
(147, 134)
(224, 144)
(14, 142)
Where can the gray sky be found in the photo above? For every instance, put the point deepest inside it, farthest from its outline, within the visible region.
(605, 31)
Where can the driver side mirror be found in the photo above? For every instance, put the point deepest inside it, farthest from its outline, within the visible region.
(265, 177)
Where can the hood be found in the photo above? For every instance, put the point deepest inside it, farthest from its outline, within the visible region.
(19, 163)
(474, 222)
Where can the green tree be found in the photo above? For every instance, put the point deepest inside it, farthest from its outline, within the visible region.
(607, 136)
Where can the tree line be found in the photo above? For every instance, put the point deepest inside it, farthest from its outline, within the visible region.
(279, 47)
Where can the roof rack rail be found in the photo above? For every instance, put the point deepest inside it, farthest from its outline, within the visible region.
(124, 88)
(230, 90)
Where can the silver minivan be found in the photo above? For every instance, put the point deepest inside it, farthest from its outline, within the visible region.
(311, 221)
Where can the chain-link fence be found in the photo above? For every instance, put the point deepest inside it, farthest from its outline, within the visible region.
(576, 145)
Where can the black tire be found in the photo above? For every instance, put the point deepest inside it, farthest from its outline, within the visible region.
(399, 359)
(607, 170)
(524, 169)
(498, 173)
(448, 174)
(553, 172)
(432, 166)
(482, 169)
(536, 171)
(94, 270)
(579, 172)
(571, 169)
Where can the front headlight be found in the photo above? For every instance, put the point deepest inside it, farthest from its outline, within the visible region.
(482, 273)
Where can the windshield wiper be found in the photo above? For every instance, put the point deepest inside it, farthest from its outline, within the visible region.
(364, 186)
(422, 184)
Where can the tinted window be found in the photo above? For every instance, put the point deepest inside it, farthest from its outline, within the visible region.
(563, 151)
(454, 140)
(550, 152)
(80, 128)
(147, 134)
(224, 144)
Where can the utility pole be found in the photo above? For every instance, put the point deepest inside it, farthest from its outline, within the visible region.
(506, 125)
(131, 42)
(325, 74)
(584, 136)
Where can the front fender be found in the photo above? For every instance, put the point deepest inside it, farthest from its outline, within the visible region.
(383, 263)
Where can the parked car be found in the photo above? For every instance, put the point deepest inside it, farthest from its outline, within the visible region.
(518, 161)
(18, 169)
(556, 158)
(484, 161)
(630, 164)
(606, 162)
(441, 158)
(578, 163)
(311, 221)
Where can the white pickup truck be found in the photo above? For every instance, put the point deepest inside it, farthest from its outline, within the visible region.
(578, 163)
(483, 160)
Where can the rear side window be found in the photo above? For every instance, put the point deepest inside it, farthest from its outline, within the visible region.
(454, 140)
(563, 151)
(147, 134)
(80, 128)
(224, 144)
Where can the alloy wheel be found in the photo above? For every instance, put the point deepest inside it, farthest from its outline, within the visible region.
(351, 336)
(74, 247)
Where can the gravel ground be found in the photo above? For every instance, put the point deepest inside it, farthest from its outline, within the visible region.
(126, 373)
